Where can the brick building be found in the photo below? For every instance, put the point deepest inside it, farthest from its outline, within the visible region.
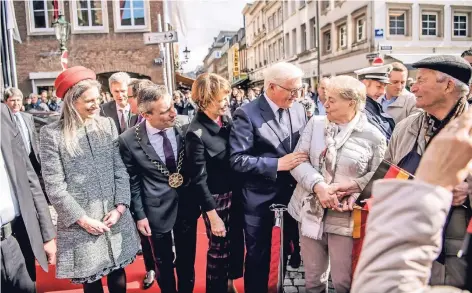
(106, 36)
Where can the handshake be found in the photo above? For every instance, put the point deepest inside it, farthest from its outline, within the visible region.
(337, 196)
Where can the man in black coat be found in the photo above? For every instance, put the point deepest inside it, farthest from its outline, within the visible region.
(27, 232)
(264, 135)
(153, 152)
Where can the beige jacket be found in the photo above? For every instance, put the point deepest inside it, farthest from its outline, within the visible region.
(403, 238)
(401, 143)
(404, 106)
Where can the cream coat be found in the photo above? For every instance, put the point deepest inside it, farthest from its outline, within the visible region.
(358, 159)
(404, 106)
(403, 238)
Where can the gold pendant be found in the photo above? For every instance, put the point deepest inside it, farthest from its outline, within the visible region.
(175, 180)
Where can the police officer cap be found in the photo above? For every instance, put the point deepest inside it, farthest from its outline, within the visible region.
(379, 73)
(454, 66)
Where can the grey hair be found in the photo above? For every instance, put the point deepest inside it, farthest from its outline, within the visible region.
(324, 80)
(280, 72)
(71, 120)
(148, 95)
(32, 95)
(349, 88)
(12, 92)
(120, 77)
(460, 87)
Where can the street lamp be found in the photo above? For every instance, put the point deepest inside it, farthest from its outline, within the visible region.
(186, 53)
(62, 30)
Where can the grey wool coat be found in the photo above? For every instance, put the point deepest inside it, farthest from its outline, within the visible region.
(91, 184)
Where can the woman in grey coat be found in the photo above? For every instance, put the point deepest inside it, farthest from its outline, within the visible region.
(88, 186)
(345, 150)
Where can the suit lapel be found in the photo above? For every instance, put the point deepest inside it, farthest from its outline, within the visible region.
(145, 144)
(179, 137)
(112, 113)
(269, 117)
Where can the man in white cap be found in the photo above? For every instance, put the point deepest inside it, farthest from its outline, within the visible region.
(375, 78)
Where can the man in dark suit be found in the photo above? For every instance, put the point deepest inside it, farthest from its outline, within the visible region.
(264, 135)
(13, 98)
(119, 109)
(27, 231)
(153, 152)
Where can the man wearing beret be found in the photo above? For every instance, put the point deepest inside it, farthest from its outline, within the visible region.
(441, 88)
(375, 78)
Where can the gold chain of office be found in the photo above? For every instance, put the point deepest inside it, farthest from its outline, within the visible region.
(175, 179)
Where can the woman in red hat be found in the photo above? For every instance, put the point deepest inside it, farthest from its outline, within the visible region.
(88, 186)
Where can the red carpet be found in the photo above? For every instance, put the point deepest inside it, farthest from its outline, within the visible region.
(47, 283)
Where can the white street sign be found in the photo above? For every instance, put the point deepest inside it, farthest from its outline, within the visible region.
(157, 38)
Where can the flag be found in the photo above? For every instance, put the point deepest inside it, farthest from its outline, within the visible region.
(174, 12)
(11, 20)
(386, 170)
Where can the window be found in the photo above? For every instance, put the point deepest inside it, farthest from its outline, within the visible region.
(324, 5)
(327, 41)
(292, 7)
(397, 23)
(294, 41)
(270, 54)
(89, 16)
(313, 31)
(285, 9)
(270, 23)
(280, 18)
(281, 48)
(360, 29)
(131, 15)
(287, 44)
(303, 36)
(342, 36)
(276, 51)
(42, 14)
(461, 24)
(302, 4)
(274, 20)
(429, 22)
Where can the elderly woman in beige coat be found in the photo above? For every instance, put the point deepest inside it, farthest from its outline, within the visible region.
(88, 185)
(344, 151)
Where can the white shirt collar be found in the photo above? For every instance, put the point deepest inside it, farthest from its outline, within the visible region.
(127, 108)
(272, 105)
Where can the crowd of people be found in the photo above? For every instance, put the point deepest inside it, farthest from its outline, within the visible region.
(135, 174)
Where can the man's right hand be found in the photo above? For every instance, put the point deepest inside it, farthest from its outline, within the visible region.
(143, 227)
(290, 161)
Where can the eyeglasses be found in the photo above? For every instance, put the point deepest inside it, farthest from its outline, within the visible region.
(293, 92)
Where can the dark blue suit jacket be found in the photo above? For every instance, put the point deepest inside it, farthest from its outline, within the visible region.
(256, 144)
(374, 111)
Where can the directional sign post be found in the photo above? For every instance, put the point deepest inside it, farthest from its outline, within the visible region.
(157, 38)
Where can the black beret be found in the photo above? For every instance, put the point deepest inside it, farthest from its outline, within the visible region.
(454, 66)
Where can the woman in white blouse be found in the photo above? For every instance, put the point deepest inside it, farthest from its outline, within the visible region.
(345, 150)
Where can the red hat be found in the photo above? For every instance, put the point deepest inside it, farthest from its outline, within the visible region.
(70, 77)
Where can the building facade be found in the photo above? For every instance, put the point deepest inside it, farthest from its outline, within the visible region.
(106, 36)
(348, 35)
(212, 62)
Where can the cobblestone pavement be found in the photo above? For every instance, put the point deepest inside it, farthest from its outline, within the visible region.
(295, 281)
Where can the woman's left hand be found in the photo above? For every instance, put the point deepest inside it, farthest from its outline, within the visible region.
(111, 218)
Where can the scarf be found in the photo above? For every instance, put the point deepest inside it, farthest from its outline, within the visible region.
(312, 212)
(434, 125)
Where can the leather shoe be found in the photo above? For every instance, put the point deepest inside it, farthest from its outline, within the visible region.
(149, 279)
(295, 260)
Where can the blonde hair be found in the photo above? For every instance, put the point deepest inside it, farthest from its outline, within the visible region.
(349, 88)
(206, 87)
(71, 120)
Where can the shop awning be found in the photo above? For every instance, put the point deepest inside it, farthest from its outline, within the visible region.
(409, 59)
(182, 80)
(240, 81)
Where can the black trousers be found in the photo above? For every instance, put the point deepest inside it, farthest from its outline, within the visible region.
(258, 236)
(148, 256)
(18, 263)
(185, 236)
